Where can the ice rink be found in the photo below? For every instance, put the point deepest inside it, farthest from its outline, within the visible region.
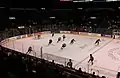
(107, 54)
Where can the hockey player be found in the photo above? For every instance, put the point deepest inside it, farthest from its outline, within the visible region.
(29, 50)
(63, 46)
(64, 37)
(97, 41)
(113, 36)
(50, 42)
(69, 64)
(72, 41)
(91, 59)
(52, 34)
(59, 39)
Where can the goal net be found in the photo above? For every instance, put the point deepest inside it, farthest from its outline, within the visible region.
(57, 59)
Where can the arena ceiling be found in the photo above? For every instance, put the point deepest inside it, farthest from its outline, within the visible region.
(70, 13)
(68, 10)
(26, 11)
(57, 3)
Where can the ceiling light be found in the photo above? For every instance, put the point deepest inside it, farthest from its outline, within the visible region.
(52, 17)
(11, 18)
(93, 17)
(80, 8)
(43, 8)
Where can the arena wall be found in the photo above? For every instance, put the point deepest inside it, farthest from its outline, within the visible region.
(61, 32)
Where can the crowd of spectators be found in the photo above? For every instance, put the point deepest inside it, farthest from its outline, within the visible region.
(17, 65)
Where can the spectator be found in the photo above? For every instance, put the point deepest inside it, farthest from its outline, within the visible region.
(93, 75)
(53, 61)
(103, 77)
(20, 66)
(79, 70)
(69, 64)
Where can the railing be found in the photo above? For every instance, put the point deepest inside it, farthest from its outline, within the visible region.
(98, 70)
(57, 59)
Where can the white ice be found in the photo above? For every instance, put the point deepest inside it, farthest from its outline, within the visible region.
(79, 51)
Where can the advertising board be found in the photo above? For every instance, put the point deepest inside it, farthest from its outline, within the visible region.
(73, 32)
(94, 34)
(105, 35)
(83, 33)
(65, 32)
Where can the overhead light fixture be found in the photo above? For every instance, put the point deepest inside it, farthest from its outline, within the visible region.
(90, 26)
(117, 16)
(43, 8)
(17, 9)
(31, 9)
(11, 18)
(118, 21)
(93, 17)
(82, 0)
(65, 0)
(112, 20)
(52, 17)
(80, 8)
(34, 22)
(20, 27)
(111, 0)
(95, 24)
(78, 1)
(89, 22)
(30, 26)
(2, 7)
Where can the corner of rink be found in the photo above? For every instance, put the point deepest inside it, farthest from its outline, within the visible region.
(100, 71)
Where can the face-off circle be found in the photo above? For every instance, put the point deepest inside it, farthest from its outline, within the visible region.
(114, 53)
